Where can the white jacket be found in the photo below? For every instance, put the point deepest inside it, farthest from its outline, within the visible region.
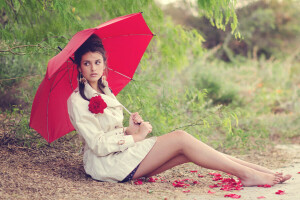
(109, 154)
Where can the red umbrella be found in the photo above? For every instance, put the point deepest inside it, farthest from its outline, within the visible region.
(125, 40)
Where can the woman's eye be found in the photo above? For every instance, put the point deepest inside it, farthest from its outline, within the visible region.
(86, 63)
(98, 62)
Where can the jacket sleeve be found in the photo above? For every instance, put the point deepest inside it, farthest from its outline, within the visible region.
(100, 142)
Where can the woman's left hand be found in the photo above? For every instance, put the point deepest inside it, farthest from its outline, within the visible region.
(136, 118)
(134, 124)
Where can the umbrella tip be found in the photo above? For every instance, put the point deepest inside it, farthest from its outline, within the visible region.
(154, 34)
(141, 12)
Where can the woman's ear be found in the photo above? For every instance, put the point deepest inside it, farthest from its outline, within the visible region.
(103, 81)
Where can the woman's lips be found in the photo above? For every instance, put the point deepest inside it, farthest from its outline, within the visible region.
(94, 74)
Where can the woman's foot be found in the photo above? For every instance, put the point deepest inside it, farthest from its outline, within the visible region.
(285, 178)
(254, 178)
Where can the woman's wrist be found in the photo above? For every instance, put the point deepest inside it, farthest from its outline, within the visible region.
(137, 137)
(125, 130)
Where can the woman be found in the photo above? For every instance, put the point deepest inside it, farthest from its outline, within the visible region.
(118, 154)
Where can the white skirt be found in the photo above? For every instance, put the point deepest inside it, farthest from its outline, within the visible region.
(117, 166)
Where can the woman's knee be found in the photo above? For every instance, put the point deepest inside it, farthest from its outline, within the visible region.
(181, 136)
(180, 133)
(182, 139)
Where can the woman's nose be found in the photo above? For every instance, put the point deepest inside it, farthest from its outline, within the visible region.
(93, 67)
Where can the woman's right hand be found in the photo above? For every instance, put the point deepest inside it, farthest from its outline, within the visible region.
(134, 124)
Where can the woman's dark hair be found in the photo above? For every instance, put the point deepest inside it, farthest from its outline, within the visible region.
(92, 44)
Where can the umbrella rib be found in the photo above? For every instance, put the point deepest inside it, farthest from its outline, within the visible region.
(126, 35)
(70, 79)
(52, 87)
(48, 116)
(58, 80)
(121, 74)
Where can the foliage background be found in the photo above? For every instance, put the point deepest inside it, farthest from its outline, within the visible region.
(195, 75)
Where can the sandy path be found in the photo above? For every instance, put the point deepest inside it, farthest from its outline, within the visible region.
(57, 173)
(291, 187)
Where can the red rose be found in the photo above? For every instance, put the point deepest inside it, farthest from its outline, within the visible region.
(97, 105)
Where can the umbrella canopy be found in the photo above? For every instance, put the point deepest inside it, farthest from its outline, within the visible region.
(125, 40)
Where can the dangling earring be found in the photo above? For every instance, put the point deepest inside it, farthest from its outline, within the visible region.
(81, 79)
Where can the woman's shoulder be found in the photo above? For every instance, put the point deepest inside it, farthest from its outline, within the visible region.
(75, 99)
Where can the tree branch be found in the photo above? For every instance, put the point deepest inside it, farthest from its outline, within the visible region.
(185, 126)
(10, 49)
(7, 79)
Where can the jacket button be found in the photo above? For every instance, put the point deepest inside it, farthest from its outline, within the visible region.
(121, 142)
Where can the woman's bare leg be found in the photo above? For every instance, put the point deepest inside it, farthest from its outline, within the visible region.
(257, 167)
(251, 165)
(177, 160)
(180, 159)
(180, 143)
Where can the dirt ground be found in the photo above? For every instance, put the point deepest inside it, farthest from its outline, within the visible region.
(56, 172)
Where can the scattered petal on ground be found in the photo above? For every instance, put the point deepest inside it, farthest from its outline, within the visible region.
(265, 186)
(186, 191)
(181, 183)
(152, 179)
(211, 192)
(194, 171)
(226, 184)
(138, 182)
(280, 192)
(213, 186)
(261, 197)
(214, 174)
(234, 196)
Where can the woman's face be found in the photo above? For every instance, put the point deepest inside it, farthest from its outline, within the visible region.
(91, 67)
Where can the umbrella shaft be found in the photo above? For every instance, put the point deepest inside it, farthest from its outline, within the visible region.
(126, 110)
(120, 73)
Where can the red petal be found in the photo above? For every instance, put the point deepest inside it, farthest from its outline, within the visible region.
(138, 182)
(213, 186)
(194, 171)
(234, 196)
(280, 192)
(186, 191)
(210, 192)
(152, 180)
(265, 186)
(261, 197)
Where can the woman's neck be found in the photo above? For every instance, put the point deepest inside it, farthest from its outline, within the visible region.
(95, 87)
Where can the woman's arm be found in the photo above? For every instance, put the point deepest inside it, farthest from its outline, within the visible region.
(138, 128)
(100, 142)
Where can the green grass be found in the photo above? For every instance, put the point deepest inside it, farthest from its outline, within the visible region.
(241, 105)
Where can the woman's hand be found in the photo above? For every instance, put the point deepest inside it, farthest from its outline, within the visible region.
(136, 118)
(134, 124)
(144, 129)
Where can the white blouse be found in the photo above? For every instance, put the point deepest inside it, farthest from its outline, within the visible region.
(109, 154)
